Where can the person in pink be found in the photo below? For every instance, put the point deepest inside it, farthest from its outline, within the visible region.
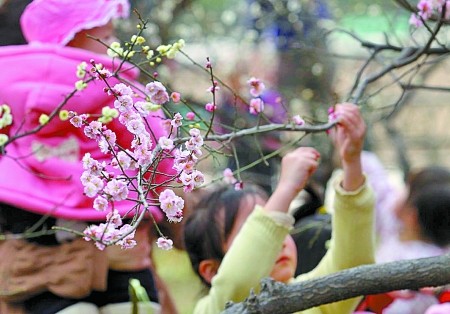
(40, 173)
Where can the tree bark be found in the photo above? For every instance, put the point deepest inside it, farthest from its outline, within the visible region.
(276, 297)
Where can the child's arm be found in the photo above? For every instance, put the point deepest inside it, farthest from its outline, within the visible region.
(352, 242)
(348, 139)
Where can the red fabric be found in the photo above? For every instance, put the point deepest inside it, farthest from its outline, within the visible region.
(375, 303)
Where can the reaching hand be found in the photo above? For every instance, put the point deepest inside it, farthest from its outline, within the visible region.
(348, 138)
(348, 135)
(296, 168)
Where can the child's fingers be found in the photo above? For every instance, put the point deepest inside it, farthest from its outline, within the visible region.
(351, 120)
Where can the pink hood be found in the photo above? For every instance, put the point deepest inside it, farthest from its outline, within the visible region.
(34, 79)
(57, 21)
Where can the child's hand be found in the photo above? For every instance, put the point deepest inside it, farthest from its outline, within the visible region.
(348, 138)
(296, 168)
(348, 135)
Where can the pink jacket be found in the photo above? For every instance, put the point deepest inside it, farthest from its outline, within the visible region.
(41, 172)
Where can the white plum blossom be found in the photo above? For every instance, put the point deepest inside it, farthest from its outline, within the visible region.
(157, 93)
(123, 160)
(171, 204)
(176, 121)
(166, 143)
(77, 121)
(93, 130)
(127, 232)
(135, 126)
(122, 89)
(123, 103)
(100, 203)
(117, 189)
(114, 218)
(165, 244)
(107, 141)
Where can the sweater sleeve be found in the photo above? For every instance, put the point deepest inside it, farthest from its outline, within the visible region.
(250, 258)
(352, 242)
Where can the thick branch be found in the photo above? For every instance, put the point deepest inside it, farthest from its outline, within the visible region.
(279, 298)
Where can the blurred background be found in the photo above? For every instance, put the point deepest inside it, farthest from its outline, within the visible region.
(309, 54)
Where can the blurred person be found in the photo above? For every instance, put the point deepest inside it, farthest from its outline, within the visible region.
(423, 211)
(40, 173)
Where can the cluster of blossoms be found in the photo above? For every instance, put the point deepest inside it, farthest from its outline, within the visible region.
(113, 231)
(6, 119)
(426, 9)
(108, 185)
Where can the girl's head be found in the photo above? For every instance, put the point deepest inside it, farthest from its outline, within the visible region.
(59, 21)
(217, 219)
(416, 207)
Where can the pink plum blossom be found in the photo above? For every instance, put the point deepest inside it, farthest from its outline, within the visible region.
(107, 141)
(143, 155)
(228, 176)
(332, 115)
(142, 107)
(176, 97)
(256, 106)
(210, 107)
(198, 178)
(190, 115)
(298, 120)
(425, 9)
(257, 87)
(92, 185)
(175, 217)
(92, 166)
(415, 20)
(213, 88)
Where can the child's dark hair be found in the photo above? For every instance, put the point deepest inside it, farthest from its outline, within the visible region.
(427, 176)
(433, 209)
(211, 222)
